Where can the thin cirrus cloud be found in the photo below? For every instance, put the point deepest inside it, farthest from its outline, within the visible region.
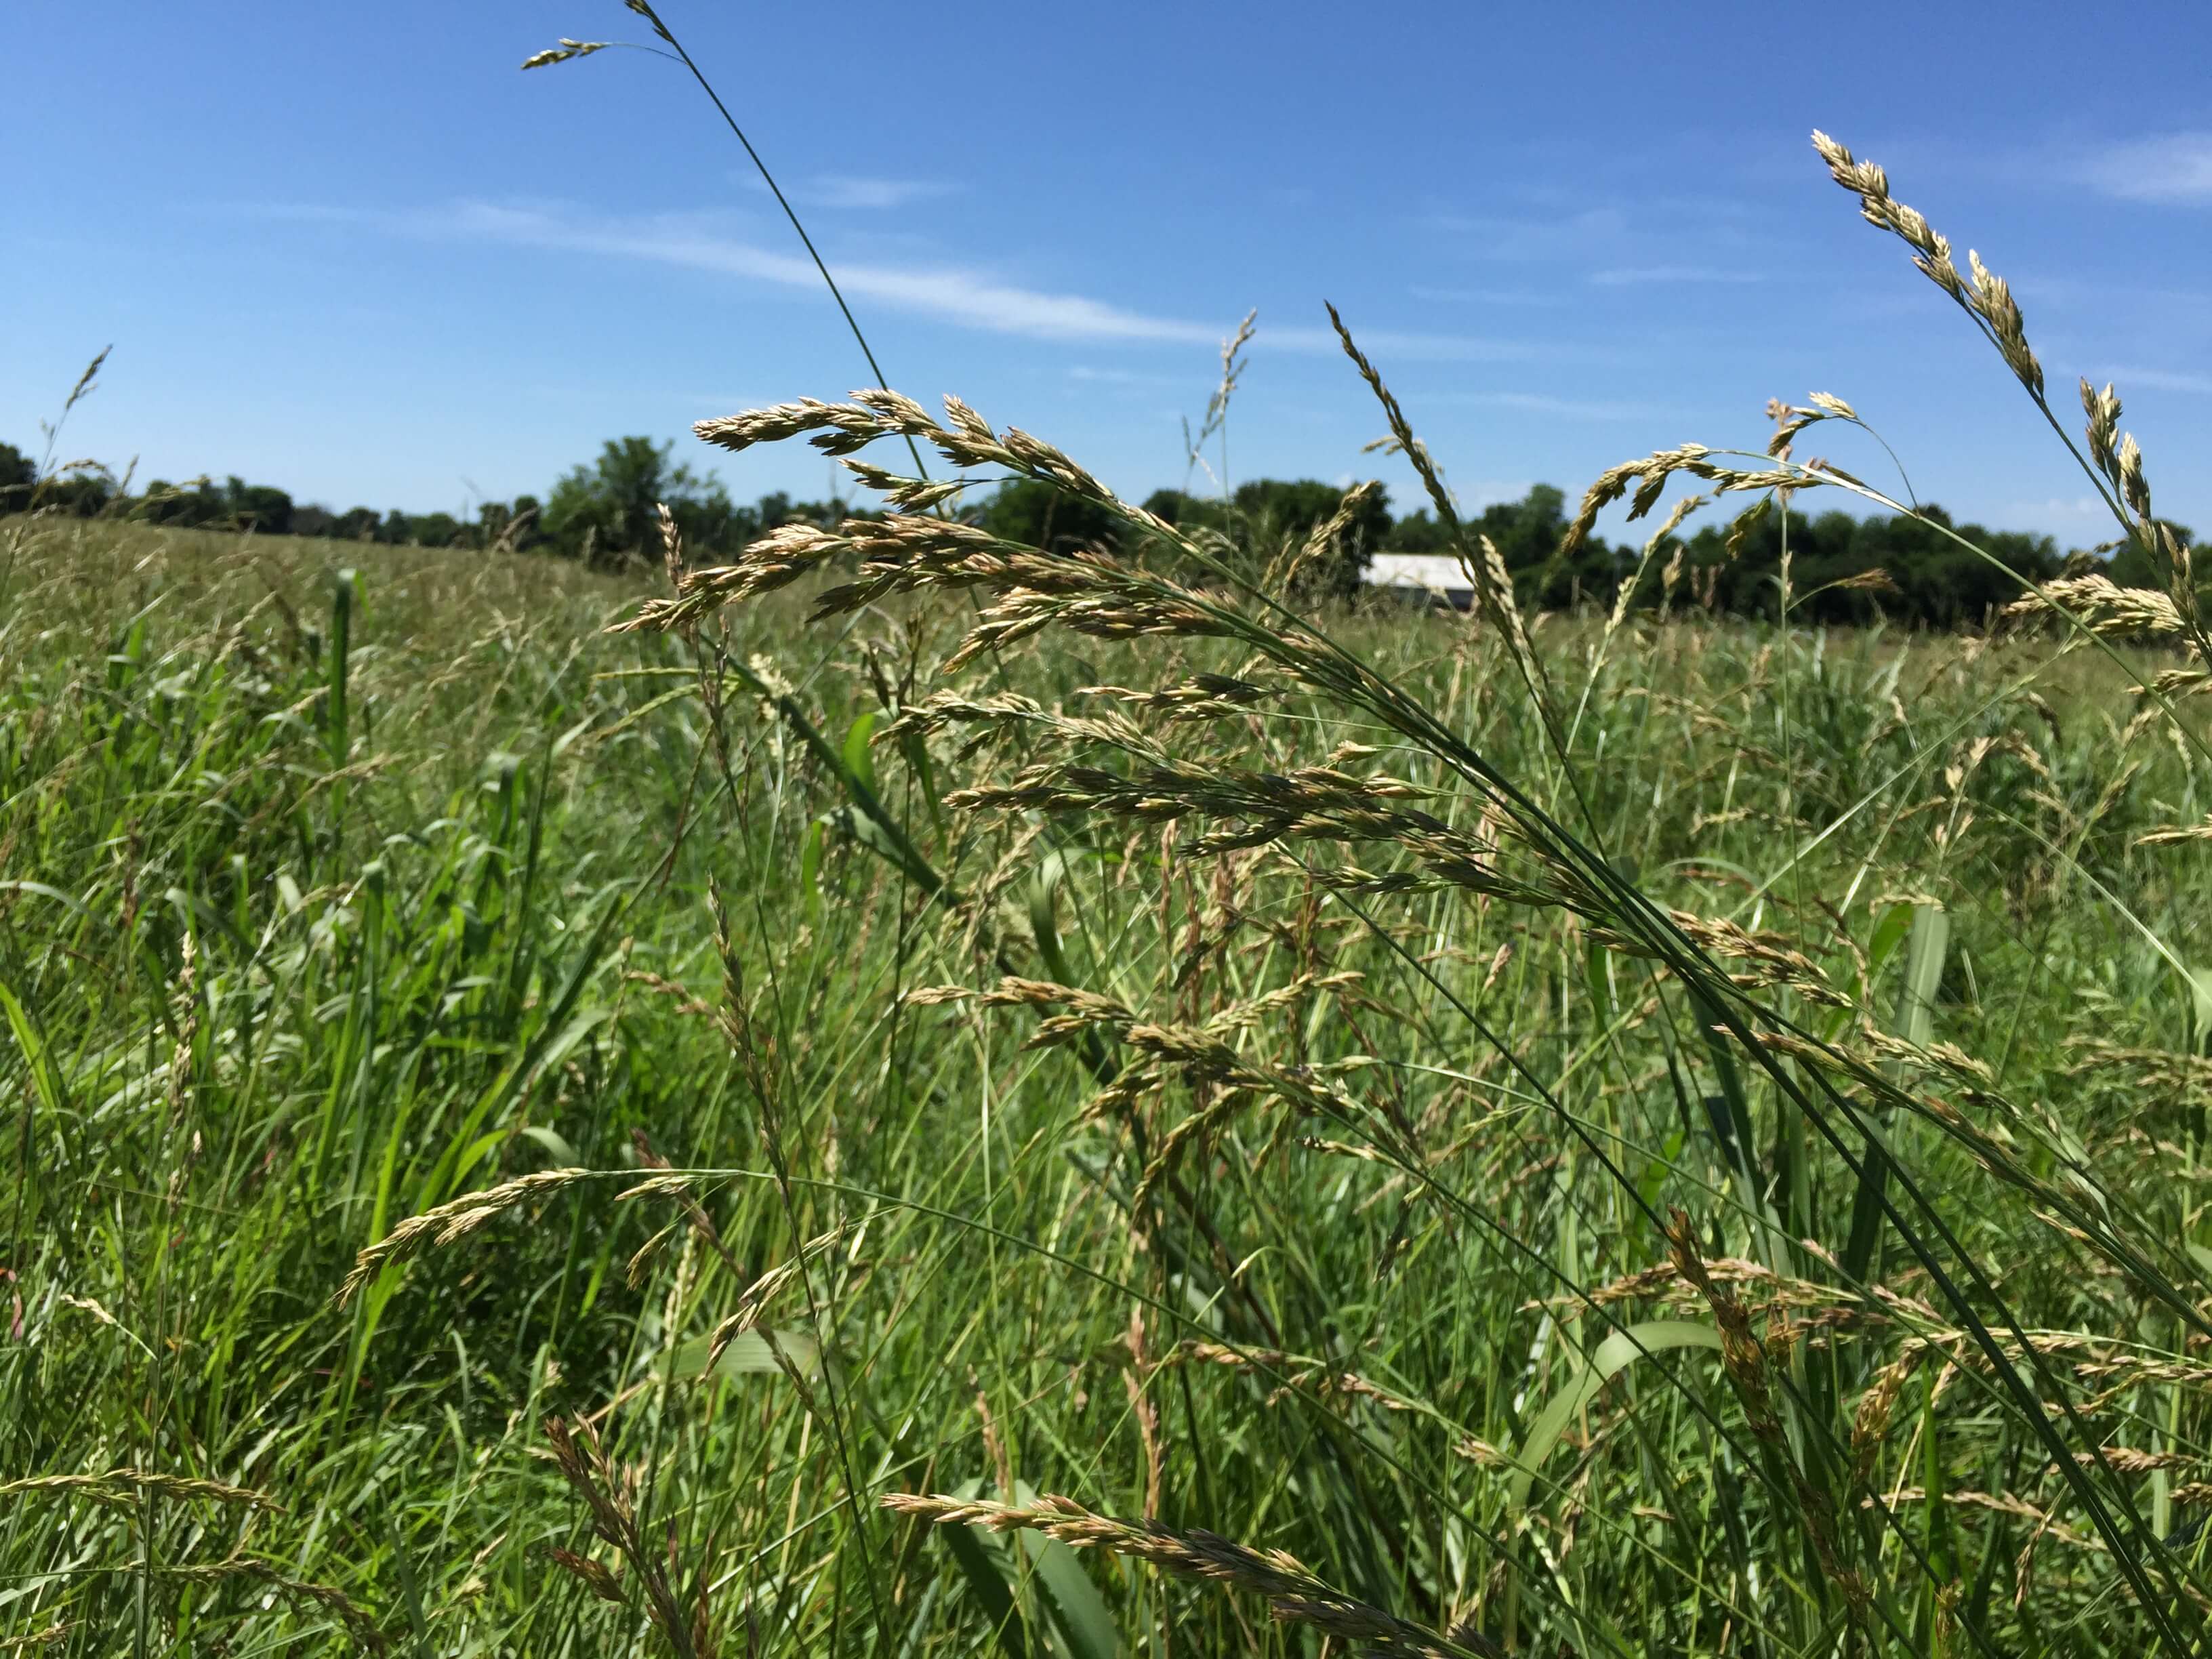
(1130, 377)
(965, 296)
(1638, 275)
(844, 191)
(1538, 403)
(1484, 296)
(2161, 380)
(2175, 168)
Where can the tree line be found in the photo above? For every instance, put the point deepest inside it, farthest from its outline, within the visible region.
(604, 514)
(1841, 569)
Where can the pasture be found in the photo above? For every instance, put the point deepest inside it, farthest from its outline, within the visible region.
(1681, 1136)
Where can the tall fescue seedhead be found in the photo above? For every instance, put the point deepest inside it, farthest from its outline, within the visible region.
(1706, 1160)
(1790, 1039)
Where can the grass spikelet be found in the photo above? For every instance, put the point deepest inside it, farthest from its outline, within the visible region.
(1293, 1594)
(304, 1592)
(565, 51)
(122, 1487)
(452, 1220)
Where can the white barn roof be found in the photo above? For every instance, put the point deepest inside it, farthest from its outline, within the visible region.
(1430, 572)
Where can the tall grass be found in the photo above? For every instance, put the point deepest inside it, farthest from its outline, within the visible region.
(546, 1124)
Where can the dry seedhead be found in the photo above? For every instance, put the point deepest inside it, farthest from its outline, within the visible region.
(752, 1301)
(52, 1635)
(1294, 1594)
(1789, 419)
(1293, 1373)
(561, 53)
(1750, 1366)
(1248, 808)
(1629, 589)
(1197, 697)
(1323, 545)
(454, 1220)
(303, 1592)
(122, 1488)
(1771, 1292)
(2157, 1073)
(1986, 295)
(1870, 1423)
(1775, 964)
(1651, 474)
(610, 1496)
(1479, 558)
(2115, 460)
(2118, 458)
(1202, 1056)
(1217, 406)
(2101, 605)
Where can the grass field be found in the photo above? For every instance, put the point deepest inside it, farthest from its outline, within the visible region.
(1386, 1182)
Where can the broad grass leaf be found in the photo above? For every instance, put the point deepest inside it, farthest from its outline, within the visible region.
(1614, 1355)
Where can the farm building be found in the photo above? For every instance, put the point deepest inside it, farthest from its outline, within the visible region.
(1440, 576)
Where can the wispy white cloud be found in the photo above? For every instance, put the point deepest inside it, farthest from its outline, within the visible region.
(2175, 168)
(2058, 507)
(1637, 276)
(1492, 237)
(969, 297)
(704, 242)
(2161, 380)
(1540, 403)
(1484, 296)
(1385, 345)
(1132, 377)
(853, 191)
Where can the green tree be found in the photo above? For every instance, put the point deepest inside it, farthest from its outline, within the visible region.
(1268, 519)
(1029, 511)
(313, 519)
(18, 473)
(257, 508)
(612, 507)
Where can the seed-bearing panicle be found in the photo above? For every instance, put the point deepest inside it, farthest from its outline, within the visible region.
(909, 495)
(2127, 472)
(2100, 604)
(564, 51)
(452, 1220)
(595, 1576)
(1871, 1424)
(838, 423)
(1485, 567)
(1751, 1369)
(1651, 474)
(327, 1597)
(1986, 295)
(1202, 1055)
(2174, 833)
(1294, 1594)
(1931, 252)
(753, 1301)
(1993, 302)
(1199, 696)
(122, 1487)
(775, 560)
(2103, 410)
(672, 548)
(610, 1496)
(1791, 419)
(1295, 1371)
(1775, 964)
(1323, 542)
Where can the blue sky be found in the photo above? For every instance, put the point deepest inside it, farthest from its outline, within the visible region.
(355, 253)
